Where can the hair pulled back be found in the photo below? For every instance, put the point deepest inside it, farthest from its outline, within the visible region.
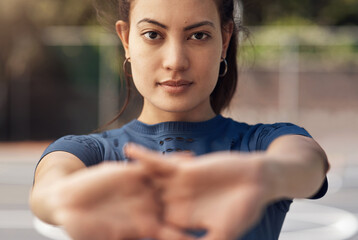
(110, 11)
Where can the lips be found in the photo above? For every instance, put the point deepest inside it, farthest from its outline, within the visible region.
(175, 83)
(175, 86)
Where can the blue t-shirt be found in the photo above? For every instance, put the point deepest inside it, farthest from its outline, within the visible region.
(217, 134)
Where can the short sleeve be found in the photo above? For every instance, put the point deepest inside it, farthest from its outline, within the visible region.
(266, 133)
(86, 148)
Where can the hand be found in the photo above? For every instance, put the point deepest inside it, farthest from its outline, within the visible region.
(110, 201)
(223, 193)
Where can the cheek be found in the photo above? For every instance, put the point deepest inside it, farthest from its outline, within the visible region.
(210, 67)
(142, 63)
(210, 57)
(208, 64)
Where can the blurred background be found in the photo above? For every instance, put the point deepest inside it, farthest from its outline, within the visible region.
(60, 74)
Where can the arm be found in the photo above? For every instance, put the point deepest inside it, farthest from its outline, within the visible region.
(52, 168)
(106, 201)
(241, 184)
(295, 167)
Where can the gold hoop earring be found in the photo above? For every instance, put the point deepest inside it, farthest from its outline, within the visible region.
(226, 67)
(127, 60)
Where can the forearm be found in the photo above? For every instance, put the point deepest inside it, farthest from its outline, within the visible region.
(42, 203)
(295, 167)
(50, 171)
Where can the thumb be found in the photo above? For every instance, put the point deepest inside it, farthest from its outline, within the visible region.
(152, 160)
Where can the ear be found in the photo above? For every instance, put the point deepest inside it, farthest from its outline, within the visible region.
(122, 29)
(226, 32)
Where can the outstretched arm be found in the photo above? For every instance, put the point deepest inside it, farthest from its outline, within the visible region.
(108, 201)
(225, 192)
(52, 168)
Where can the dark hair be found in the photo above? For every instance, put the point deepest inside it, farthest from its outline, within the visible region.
(110, 11)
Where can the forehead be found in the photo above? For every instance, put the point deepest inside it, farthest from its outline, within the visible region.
(175, 11)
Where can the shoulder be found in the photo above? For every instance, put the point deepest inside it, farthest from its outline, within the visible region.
(263, 129)
(87, 141)
(277, 129)
(257, 137)
(87, 148)
(92, 148)
(263, 134)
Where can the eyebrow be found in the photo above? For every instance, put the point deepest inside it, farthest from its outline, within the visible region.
(199, 24)
(190, 27)
(148, 20)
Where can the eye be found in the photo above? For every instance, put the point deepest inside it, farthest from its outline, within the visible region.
(151, 35)
(199, 36)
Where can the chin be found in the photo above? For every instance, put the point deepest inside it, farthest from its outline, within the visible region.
(181, 106)
(177, 110)
(183, 110)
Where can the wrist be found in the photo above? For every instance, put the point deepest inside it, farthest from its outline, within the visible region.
(277, 177)
(268, 176)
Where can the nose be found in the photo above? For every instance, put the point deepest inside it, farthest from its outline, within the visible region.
(175, 56)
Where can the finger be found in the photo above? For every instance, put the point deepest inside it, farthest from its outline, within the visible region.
(150, 159)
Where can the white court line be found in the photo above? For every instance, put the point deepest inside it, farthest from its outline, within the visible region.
(322, 222)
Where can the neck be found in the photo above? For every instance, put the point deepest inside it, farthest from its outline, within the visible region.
(151, 115)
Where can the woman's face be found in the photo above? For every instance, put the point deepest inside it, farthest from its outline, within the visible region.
(175, 48)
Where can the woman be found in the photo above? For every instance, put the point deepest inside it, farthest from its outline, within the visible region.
(204, 175)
